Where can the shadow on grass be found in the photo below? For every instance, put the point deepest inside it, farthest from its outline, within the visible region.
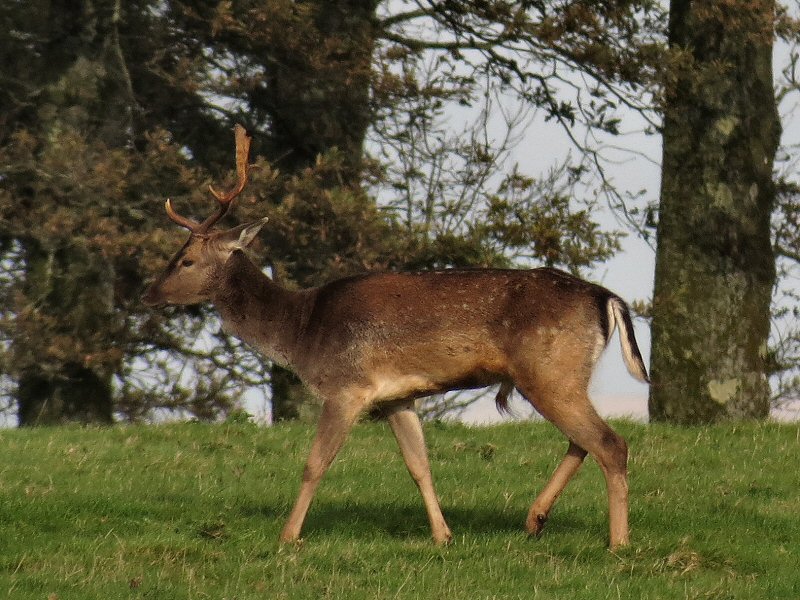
(363, 519)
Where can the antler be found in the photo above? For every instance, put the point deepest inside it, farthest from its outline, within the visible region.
(225, 200)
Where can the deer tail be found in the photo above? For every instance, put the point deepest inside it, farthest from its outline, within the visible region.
(620, 316)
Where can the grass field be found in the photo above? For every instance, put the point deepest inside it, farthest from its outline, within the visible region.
(194, 511)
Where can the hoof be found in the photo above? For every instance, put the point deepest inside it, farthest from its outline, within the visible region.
(620, 544)
(443, 539)
(535, 524)
(289, 537)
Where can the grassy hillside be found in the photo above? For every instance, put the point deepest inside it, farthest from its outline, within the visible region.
(194, 511)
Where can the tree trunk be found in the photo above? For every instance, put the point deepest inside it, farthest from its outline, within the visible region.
(320, 100)
(290, 400)
(715, 268)
(68, 318)
(71, 317)
(318, 103)
(75, 394)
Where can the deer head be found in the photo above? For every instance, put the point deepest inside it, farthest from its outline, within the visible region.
(191, 275)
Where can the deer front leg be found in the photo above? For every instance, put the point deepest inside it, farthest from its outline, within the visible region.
(408, 432)
(335, 422)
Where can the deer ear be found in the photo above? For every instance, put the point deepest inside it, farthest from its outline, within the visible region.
(250, 231)
(242, 236)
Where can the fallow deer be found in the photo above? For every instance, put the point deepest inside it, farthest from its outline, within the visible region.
(389, 338)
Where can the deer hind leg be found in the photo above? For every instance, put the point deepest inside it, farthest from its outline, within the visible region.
(335, 423)
(407, 430)
(540, 509)
(576, 418)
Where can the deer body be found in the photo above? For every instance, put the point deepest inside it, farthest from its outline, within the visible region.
(388, 338)
(406, 335)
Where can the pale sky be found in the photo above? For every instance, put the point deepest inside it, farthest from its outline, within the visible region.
(630, 273)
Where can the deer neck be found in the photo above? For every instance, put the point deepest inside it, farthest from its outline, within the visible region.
(257, 310)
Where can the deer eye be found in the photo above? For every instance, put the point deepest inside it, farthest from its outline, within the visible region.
(187, 262)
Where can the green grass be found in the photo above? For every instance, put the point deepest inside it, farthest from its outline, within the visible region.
(194, 511)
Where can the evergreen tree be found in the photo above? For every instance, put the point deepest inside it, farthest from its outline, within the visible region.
(110, 107)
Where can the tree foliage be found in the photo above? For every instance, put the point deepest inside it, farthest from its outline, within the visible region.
(383, 132)
(86, 159)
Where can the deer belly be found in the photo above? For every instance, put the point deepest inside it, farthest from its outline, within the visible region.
(395, 386)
